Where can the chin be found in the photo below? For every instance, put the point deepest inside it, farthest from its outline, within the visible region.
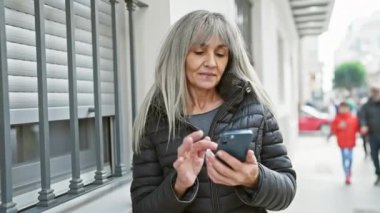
(207, 86)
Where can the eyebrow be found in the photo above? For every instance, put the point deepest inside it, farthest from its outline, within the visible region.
(219, 46)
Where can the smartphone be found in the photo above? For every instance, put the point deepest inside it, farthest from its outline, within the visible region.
(236, 142)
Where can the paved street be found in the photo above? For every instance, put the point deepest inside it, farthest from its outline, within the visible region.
(321, 187)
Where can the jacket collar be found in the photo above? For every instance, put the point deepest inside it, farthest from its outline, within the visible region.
(229, 85)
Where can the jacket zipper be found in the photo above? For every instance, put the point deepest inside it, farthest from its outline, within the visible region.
(213, 187)
(214, 190)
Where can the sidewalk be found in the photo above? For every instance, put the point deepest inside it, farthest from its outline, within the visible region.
(320, 179)
(321, 187)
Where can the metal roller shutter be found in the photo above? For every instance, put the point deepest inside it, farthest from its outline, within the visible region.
(19, 17)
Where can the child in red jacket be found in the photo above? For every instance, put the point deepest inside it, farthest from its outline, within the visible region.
(345, 126)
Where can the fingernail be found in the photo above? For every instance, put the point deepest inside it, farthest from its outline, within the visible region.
(209, 153)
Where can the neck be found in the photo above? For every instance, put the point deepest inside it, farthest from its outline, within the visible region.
(201, 101)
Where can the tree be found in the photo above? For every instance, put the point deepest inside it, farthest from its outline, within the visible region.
(350, 75)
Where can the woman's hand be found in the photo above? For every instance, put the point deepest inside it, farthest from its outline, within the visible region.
(191, 155)
(236, 173)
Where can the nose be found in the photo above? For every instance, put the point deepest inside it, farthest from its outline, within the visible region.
(210, 60)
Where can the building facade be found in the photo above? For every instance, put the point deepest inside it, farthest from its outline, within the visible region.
(362, 43)
(312, 20)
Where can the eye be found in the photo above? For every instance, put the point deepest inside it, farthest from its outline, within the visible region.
(198, 52)
(220, 54)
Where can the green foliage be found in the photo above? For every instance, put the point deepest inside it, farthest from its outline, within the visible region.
(350, 75)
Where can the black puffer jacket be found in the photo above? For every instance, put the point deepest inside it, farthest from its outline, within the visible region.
(369, 116)
(153, 172)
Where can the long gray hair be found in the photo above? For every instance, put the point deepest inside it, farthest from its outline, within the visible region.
(194, 28)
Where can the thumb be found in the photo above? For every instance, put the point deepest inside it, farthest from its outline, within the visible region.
(250, 158)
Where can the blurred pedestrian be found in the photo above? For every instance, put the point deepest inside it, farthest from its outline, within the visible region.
(370, 125)
(345, 126)
(364, 137)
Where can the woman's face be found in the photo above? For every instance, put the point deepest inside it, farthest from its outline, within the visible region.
(205, 64)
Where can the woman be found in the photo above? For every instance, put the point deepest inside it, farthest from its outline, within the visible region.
(204, 86)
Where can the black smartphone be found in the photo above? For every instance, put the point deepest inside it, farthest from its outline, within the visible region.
(236, 142)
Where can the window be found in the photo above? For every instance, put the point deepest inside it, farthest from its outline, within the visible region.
(25, 140)
(244, 22)
(26, 164)
(23, 94)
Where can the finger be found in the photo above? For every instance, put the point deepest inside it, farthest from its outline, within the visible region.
(251, 158)
(207, 138)
(204, 144)
(196, 136)
(209, 153)
(234, 163)
(201, 154)
(188, 140)
(215, 176)
(222, 169)
(185, 146)
(178, 162)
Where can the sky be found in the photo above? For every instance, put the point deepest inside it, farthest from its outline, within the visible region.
(344, 12)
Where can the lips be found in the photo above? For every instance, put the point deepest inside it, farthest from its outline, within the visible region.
(207, 74)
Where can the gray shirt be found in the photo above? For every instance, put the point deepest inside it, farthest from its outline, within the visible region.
(203, 121)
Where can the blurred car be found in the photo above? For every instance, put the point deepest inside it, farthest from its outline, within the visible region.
(312, 120)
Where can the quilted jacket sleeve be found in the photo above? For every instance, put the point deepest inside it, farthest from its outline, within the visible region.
(277, 179)
(150, 190)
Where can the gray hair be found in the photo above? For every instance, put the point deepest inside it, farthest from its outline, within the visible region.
(194, 28)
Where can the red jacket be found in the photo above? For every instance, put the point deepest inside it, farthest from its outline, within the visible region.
(345, 126)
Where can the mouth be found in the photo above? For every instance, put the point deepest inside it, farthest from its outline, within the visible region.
(208, 74)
